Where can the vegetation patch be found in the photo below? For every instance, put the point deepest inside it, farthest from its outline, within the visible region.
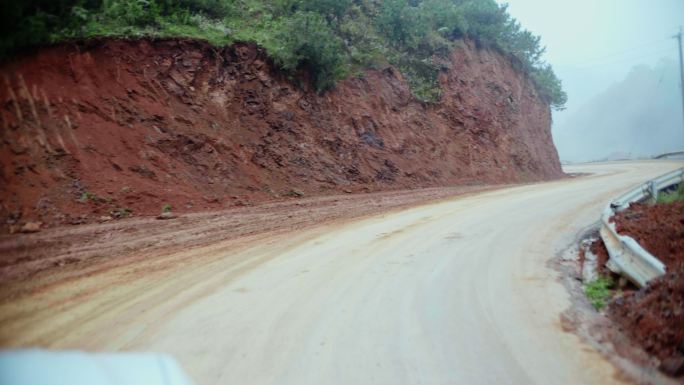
(120, 212)
(329, 39)
(676, 195)
(88, 196)
(599, 291)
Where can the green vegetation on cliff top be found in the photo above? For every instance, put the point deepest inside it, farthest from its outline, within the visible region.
(330, 39)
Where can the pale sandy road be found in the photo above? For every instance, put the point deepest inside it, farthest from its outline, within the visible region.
(457, 292)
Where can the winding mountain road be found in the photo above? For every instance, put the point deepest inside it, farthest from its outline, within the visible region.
(454, 292)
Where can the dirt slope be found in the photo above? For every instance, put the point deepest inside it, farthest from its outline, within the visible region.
(654, 316)
(138, 124)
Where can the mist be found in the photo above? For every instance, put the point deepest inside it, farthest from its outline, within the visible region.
(618, 62)
(640, 116)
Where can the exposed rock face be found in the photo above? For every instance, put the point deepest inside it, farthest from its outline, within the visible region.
(138, 124)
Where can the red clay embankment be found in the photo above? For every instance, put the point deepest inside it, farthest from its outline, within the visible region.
(111, 127)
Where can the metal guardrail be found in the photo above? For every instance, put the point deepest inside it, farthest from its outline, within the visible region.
(669, 154)
(627, 257)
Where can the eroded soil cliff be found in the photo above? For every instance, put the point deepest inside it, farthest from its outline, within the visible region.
(110, 128)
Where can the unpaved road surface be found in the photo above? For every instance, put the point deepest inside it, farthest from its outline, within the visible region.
(453, 292)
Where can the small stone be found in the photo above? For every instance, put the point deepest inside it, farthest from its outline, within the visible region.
(166, 215)
(31, 227)
(210, 199)
(79, 220)
(294, 193)
(105, 218)
(347, 191)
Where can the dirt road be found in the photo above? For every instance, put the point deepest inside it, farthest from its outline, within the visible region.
(457, 291)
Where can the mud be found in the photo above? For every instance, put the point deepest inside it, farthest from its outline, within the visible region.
(107, 129)
(597, 248)
(654, 318)
(33, 263)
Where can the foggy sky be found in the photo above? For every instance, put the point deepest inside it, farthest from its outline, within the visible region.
(595, 44)
(637, 117)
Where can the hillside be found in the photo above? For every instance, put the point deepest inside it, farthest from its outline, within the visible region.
(639, 116)
(113, 108)
(111, 128)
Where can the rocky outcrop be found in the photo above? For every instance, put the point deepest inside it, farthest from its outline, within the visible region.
(115, 127)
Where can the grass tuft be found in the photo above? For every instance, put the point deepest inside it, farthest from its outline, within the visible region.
(599, 291)
(672, 196)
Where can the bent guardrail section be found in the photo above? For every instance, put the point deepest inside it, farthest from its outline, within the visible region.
(626, 256)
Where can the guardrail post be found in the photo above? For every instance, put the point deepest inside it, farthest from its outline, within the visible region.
(653, 191)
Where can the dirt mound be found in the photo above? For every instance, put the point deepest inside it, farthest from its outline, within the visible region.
(658, 228)
(114, 128)
(654, 316)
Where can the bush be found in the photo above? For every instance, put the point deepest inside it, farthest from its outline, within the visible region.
(215, 9)
(136, 13)
(676, 195)
(486, 21)
(327, 8)
(305, 41)
(363, 45)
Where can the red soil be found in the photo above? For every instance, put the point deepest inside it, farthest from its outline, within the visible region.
(654, 316)
(658, 228)
(143, 123)
(599, 250)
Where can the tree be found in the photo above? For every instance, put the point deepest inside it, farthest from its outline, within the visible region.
(550, 87)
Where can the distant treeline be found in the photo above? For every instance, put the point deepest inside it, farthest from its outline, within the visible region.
(331, 39)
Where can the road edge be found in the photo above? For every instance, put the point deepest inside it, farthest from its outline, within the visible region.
(632, 364)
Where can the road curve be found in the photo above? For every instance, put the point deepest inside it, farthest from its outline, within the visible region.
(456, 292)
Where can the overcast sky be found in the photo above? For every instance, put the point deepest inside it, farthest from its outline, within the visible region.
(595, 43)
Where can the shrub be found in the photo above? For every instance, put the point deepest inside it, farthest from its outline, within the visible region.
(136, 13)
(486, 21)
(215, 9)
(328, 8)
(120, 212)
(676, 195)
(363, 45)
(305, 41)
(88, 196)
